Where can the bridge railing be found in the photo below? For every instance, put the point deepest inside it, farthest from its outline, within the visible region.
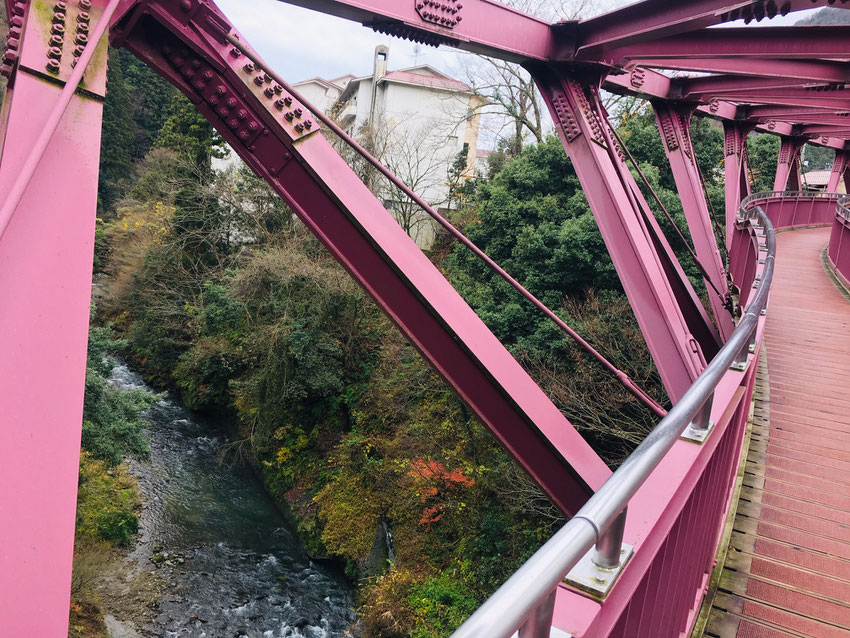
(677, 495)
(839, 241)
(794, 209)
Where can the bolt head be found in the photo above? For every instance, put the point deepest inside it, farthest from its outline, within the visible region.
(53, 66)
(58, 17)
(54, 52)
(186, 5)
(85, 5)
(81, 38)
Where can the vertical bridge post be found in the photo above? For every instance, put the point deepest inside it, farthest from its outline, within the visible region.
(45, 289)
(674, 126)
(787, 167)
(737, 170)
(840, 172)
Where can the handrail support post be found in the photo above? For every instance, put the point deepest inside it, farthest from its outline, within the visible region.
(599, 568)
(701, 426)
(539, 623)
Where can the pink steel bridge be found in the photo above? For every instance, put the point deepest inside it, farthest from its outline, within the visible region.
(637, 555)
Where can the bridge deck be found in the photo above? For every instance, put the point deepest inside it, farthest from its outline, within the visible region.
(787, 572)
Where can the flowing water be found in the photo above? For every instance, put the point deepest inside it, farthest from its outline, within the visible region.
(229, 564)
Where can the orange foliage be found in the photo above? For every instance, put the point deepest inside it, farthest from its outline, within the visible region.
(436, 472)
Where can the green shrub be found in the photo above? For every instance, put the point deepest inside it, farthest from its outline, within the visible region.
(440, 605)
(117, 526)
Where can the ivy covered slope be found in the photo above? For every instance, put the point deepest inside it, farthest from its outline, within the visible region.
(222, 295)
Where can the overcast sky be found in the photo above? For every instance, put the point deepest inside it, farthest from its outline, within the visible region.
(300, 44)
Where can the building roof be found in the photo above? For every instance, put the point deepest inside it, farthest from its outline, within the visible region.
(343, 80)
(816, 178)
(440, 81)
(321, 81)
(422, 75)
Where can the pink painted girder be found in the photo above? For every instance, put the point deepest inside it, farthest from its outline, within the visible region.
(804, 43)
(788, 164)
(654, 19)
(45, 286)
(279, 139)
(674, 126)
(489, 28)
(839, 172)
(737, 181)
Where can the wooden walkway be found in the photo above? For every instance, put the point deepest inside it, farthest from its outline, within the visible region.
(787, 572)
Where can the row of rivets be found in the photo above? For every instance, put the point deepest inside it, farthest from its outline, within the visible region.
(13, 39)
(59, 29)
(444, 13)
(224, 104)
(57, 39)
(261, 78)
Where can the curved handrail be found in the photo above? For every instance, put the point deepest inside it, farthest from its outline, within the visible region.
(533, 584)
(765, 195)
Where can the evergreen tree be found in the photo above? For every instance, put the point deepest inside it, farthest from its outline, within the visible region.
(116, 161)
(188, 133)
(151, 98)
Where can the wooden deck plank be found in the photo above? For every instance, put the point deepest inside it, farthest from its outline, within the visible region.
(787, 572)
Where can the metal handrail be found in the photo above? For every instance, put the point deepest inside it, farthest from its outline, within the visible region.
(526, 599)
(757, 197)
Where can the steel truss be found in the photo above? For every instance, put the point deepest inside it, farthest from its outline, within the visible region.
(786, 81)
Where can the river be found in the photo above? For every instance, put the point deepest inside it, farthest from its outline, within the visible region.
(227, 560)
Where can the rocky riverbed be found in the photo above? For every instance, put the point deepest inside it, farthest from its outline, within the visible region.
(214, 556)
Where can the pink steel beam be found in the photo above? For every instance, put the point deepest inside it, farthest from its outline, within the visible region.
(486, 27)
(792, 89)
(805, 43)
(800, 113)
(833, 120)
(814, 70)
(725, 84)
(788, 164)
(653, 19)
(45, 286)
(674, 126)
(678, 332)
(804, 99)
(835, 130)
(840, 166)
(279, 139)
(737, 183)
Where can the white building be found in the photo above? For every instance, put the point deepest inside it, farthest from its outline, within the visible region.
(421, 123)
(322, 93)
